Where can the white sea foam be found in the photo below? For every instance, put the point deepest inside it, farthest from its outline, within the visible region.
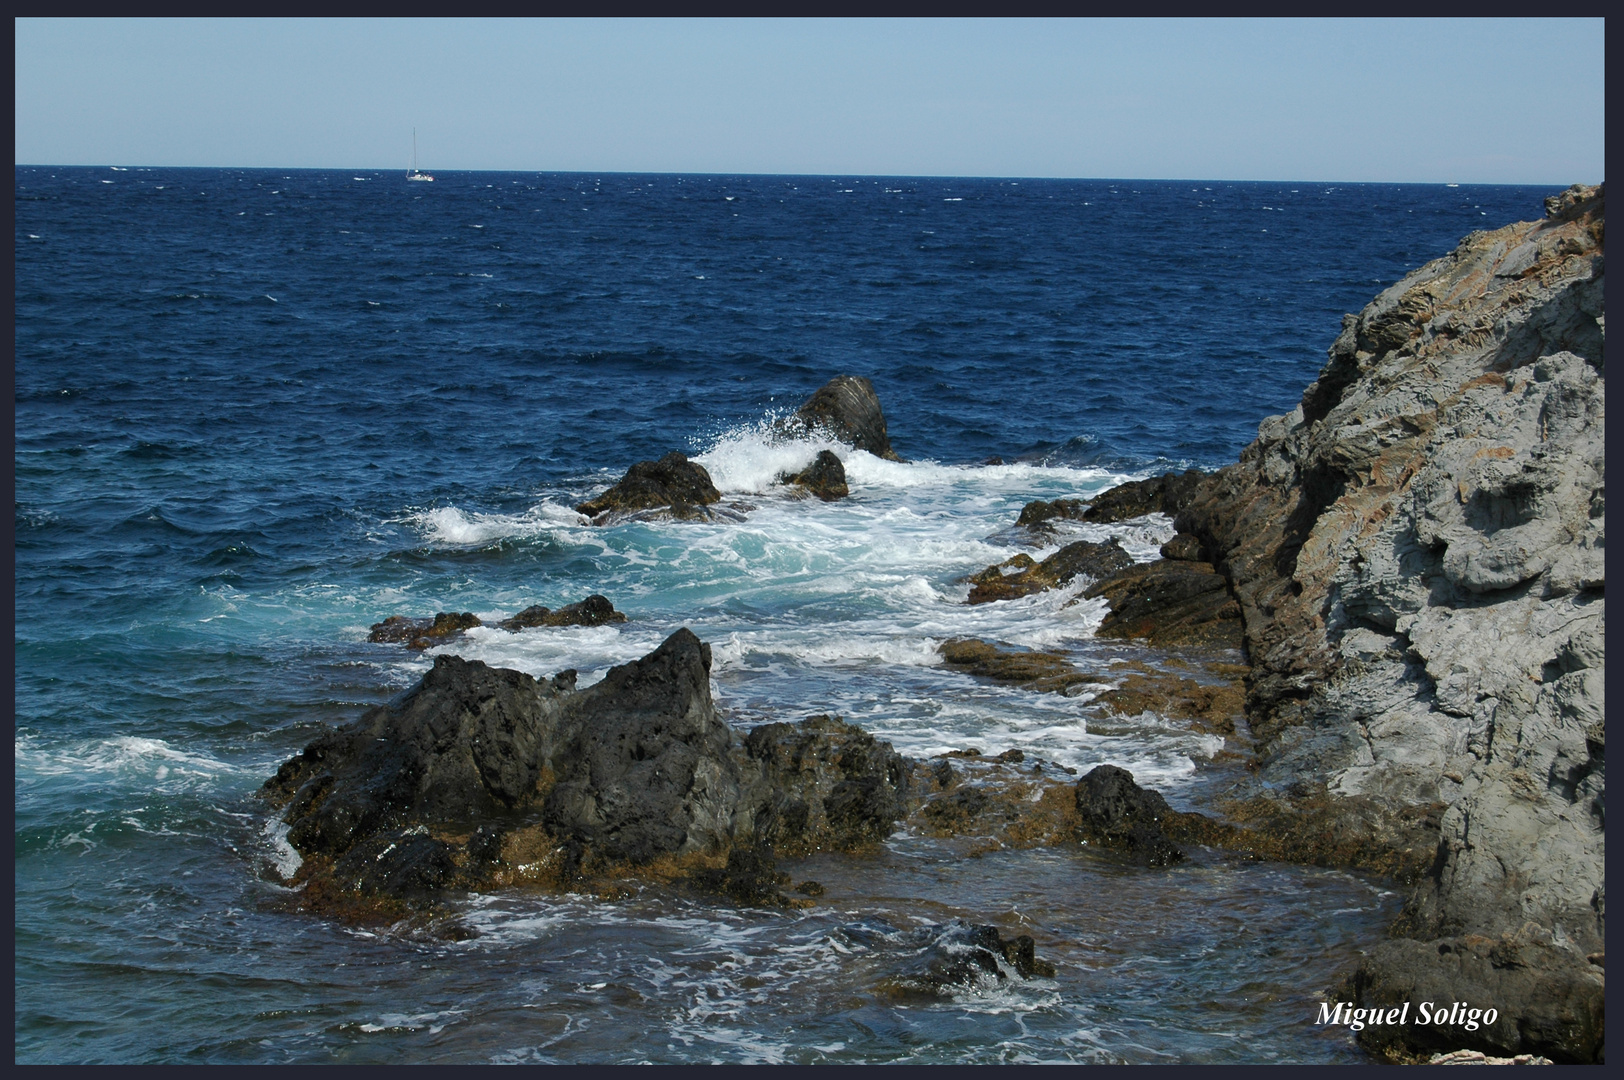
(284, 859)
(833, 607)
(449, 526)
(127, 755)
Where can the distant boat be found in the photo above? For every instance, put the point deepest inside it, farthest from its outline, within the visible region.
(413, 173)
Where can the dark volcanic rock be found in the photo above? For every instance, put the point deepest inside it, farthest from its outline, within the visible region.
(1170, 602)
(1022, 575)
(1118, 814)
(849, 410)
(824, 783)
(673, 481)
(641, 766)
(751, 878)
(595, 610)
(1548, 998)
(422, 633)
(825, 477)
(483, 777)
(1037, 513)
(1165, 494)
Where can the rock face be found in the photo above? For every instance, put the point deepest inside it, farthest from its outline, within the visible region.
(479, 777)
(1023, 575)
(675, 484)
(1165, 494)
(825, 477)
(1417, 553)
(848, 409)
(1170, 603)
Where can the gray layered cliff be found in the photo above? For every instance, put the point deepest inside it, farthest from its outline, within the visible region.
(1418, 552)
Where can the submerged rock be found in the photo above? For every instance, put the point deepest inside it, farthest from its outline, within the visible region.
(673, 483)
(1023, 575)
(962, 957)
(1035, 670)
(595, 610)
(846, 408)
(825, 477)
(480, 777)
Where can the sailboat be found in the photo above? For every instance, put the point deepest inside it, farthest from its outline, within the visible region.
(413, 173)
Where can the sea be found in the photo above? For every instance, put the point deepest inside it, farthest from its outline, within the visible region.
(259, 410)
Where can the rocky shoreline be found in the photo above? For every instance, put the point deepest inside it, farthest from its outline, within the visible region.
(1397, 595)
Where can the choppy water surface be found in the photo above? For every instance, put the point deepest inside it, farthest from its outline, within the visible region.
(258, 411)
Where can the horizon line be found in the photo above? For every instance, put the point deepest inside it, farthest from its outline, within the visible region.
(820, 175)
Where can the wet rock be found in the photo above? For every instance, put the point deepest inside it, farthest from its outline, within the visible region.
(1040, 671)
(1549, 1001)
(1038, 513)
(422, 633)
(1165, 494)
(1022, 575)
(595, 610)
(481, 777)
(1215, 701)
(823, 784)
(1117, 814)
(672, 483)
(847, 408)
(1168, 603)
(750, 879)
(825, 477)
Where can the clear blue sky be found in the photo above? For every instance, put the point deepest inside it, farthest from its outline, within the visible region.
(1469, 101)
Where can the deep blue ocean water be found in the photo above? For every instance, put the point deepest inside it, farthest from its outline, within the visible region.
(258, 410)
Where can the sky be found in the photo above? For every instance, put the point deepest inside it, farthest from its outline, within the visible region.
(1515, 101)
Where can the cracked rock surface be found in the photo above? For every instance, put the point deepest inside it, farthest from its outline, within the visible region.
(1418, 554)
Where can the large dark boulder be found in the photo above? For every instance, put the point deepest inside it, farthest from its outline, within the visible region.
(847, 408)
(481, 777)
(641, 764)
(1117, 814)
(673, 482)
